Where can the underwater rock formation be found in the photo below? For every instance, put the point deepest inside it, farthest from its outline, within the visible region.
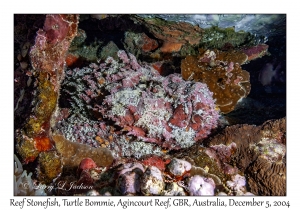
(139, 43)
(50, 166)
(129, 178)
(152, 181)
(179, 167)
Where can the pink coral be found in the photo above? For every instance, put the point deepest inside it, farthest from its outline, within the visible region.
(256, 51)
(238, 183)
(52, 43)
(199, 185)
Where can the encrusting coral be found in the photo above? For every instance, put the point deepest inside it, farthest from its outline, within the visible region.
(218, 38)
(222, 73)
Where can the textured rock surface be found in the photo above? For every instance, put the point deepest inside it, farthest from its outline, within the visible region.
(48, 60)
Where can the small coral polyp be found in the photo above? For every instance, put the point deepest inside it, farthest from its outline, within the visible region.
(168, 111)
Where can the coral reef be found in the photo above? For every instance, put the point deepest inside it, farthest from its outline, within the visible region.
(159, 162)
(139, 43)
(173, 189)
(135, 178)
(219, 38)
(109, 50)
(208, 166)
(262, 150)
(129, 178)
(255, 51)
(152, 181)
(237, 184)
(179, 167)
(47, 59)
(25, 27)
(258, 24)
(86, 164)
(259, 152)
(222, 73)
(262, 176)
(137, 105)
(172, 34)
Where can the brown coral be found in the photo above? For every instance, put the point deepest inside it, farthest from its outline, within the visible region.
(222, 73)
(48, 59)
(260, 154)
(242, 136)
(72, 153)
(263, 175)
